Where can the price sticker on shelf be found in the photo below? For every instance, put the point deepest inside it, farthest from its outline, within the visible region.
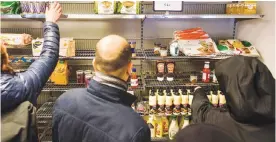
(167, 5)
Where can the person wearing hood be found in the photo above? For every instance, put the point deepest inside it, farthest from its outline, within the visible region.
(249, 89)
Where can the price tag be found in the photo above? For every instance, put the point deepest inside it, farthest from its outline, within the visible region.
(167, 5)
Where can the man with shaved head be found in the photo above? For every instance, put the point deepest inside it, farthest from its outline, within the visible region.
(102, 112)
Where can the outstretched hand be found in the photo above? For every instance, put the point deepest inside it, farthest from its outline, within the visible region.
(53, 12)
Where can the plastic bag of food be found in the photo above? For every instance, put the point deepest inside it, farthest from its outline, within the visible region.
(105, 7)
(128, 7)
(199, 47)
(10, 7)
(16, 39)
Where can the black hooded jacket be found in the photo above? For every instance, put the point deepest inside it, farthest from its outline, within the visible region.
(249, 89)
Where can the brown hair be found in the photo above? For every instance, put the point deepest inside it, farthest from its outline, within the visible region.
(5, 67)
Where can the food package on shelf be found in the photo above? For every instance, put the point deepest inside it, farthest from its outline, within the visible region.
(12, 7)
(105, 7)
(33, 7)
(60, 76)
(66, 48)
(190, 34)
(237, 47)
(128, 7)
(15, 40)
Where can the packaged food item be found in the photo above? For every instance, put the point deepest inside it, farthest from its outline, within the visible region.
(228, 8)
(222, 100)
(215, 100)
(161, 103)
(209, 96)
(134, 79)
(177, 103)
(169, 104)
(87, 79)
(170, 69)
(193, 77)
(174, 49)
(185, 103)
(60, 76)
(152, 125)
(174, 128)
(10, 7)
(165, 122)
(156, 49)
(80, 76)
(190, 102)
(159, 127)
(37, 45)
(240, 8)
(16, 39)
(153, 103)
(160, 67)
(133, 46)
(186, 122)
(163, 51)
(250, 7)
(128, 7)
(206, 72)
(105, 7)
(141, 107)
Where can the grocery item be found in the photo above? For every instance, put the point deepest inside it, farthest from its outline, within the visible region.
(215, 100)
(105, 7)
(193, 77)
(190, 102)
(80, 76)
(214, 77)
(60, 76)
(237, 47)
(186, 122)
(160, 67)
(37, 45)
(161, 103)
(141, 107)
(222, 100)
(153, 103)
(156, 49)
(163, 51)
(174, 128)
(169, 104)
(170, 69)
(209, 96)
(152, 126)
(165, 122)
(250, 7)
(174, 49)
(184, 103)
(16, 39)
(10, 7)
(159, 127)
(177, 103)
(87, 79)
(128, 7)
(206, 72)
(87, 72)
(134, 79)
(133, 46)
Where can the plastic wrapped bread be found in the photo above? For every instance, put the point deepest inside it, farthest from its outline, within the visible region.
(16, 39)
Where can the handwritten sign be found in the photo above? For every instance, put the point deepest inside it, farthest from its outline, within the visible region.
(167, 5)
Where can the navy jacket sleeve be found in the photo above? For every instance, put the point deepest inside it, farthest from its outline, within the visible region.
(27, 86)
(143, 135)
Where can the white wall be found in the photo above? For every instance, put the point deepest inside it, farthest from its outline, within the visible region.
(261, 33)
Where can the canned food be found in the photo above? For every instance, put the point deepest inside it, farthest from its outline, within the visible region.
(88, 72)
(80, 76)
(88, 77)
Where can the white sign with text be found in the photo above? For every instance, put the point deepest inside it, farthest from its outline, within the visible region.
(167, 6)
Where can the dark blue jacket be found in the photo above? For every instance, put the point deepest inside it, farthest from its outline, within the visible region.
(99, 113)
(26, 86)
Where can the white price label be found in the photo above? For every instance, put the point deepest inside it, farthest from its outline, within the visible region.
(167, 6)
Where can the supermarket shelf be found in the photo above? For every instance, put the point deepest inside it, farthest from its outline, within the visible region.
(159, 139)
(149, 55)
(140, 16)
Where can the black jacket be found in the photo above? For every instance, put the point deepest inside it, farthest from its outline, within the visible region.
(249, 89)
(26, 86)
(99, 113)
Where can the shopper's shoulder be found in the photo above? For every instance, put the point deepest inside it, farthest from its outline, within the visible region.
(71, 96)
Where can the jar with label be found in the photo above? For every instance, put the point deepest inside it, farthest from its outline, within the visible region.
(161, 103)
(88, 77)
(133, 46)
(170, 69)
(80, 76)
(174, 48)
(160, 67)
(193, 77)
(177, 103)
(156, 49)
(169, 104)
(134, 79)
(153, 103)
(163, 51)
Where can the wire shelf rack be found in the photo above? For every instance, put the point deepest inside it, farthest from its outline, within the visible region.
(149, 55)
(159, 139)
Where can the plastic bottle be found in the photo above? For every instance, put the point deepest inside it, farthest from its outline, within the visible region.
(177, 103)
(165, 122)
(215, 100)
(186, 122)
(134, 79)
(152, 125)
(174, 128)
(153, 103)
(159, 127)
(161, 103)
(222, 100)
(190, 102)
(206, 73)
(169, 103)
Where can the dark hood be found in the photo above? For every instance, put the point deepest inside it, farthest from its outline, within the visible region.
(249, 88)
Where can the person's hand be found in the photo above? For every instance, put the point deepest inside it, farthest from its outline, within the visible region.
(53, 12)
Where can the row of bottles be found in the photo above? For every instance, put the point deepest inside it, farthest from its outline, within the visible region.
(161, 126)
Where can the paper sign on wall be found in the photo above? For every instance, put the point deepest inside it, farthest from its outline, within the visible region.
(167, 5)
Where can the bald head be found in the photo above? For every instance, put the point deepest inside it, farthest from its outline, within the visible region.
(112, 53)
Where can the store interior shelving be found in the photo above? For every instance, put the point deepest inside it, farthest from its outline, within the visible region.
(152, 27)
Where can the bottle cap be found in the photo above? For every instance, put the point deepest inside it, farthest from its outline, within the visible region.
(133, 42)
(133, 69)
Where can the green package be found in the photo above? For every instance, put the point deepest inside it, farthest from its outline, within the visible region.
(105, 7)
(11, 7)
(128, 7)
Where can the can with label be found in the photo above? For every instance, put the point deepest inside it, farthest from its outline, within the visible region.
(80, 76)
(88, 77)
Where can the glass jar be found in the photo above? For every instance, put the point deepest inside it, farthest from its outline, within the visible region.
(163, 51)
